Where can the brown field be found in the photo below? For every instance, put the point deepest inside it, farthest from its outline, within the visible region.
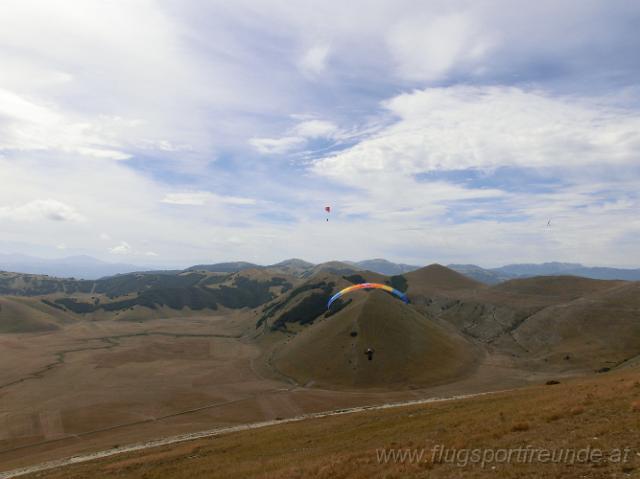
(599, 414)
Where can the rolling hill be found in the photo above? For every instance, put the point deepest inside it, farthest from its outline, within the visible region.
(438, 279)
(599, 330)
(31, 315)
(410, 350)
(545, 318)
(151, 291)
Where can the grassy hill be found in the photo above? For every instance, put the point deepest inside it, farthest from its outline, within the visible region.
(295, 267)
(560, 322)
(409, 349)
(560, 287)
(193, 290)
(308, 301)
(600, 330)
(333, 267)
(30, 315)
(436, 278)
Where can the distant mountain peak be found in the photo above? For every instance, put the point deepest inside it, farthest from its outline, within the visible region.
(386, 267)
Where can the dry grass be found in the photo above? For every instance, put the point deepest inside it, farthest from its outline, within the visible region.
(410, 349)
(345, 446)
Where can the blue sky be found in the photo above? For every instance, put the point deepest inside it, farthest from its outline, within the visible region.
(165, 132)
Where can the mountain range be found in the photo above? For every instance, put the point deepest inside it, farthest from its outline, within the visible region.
(528, 270)
(81, 266)
(89, 268)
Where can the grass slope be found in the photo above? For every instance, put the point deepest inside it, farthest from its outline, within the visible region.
(600, 330)
(436, 278)
(410, 349)
(600, 412)
(29, 315)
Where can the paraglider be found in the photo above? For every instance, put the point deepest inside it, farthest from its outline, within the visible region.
(328, 210)
(355, 287)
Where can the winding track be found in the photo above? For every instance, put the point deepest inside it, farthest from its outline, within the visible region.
(221, 431)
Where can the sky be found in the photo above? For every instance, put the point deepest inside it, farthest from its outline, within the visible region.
(175, 132)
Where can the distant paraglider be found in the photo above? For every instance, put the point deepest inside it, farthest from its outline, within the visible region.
(328, 210)
(355, 287)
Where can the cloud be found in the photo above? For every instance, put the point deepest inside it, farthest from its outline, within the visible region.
(122, 248)
(484, 168)
(26, 125)
(41, 209)
(314, 60)
(436, 130)
(200, 198)
(190, 199)
(297, 137)
(125, 249)
(275, 146)
(428, 48)
(458, 128)
(315, 129)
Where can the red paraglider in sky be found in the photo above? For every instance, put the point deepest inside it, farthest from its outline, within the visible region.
(328, 210)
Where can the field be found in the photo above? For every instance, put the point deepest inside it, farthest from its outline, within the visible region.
(590, 426)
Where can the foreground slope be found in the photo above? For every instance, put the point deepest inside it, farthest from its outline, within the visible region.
(600, 413)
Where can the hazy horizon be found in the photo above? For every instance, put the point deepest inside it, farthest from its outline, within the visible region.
(128, 266)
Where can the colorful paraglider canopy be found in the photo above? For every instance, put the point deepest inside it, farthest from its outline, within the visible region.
(327, 209)
(355, 287)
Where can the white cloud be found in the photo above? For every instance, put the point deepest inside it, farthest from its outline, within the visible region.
(26, 125)
(297, 137)
(41, 209)
(314, 60)
(428, 47)
(315, 129)
(122, 248)
(191, 199)
(125, 249)
(475, 127)
(236, 200)
(276, 146)
(200, 198)
(460, 128)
